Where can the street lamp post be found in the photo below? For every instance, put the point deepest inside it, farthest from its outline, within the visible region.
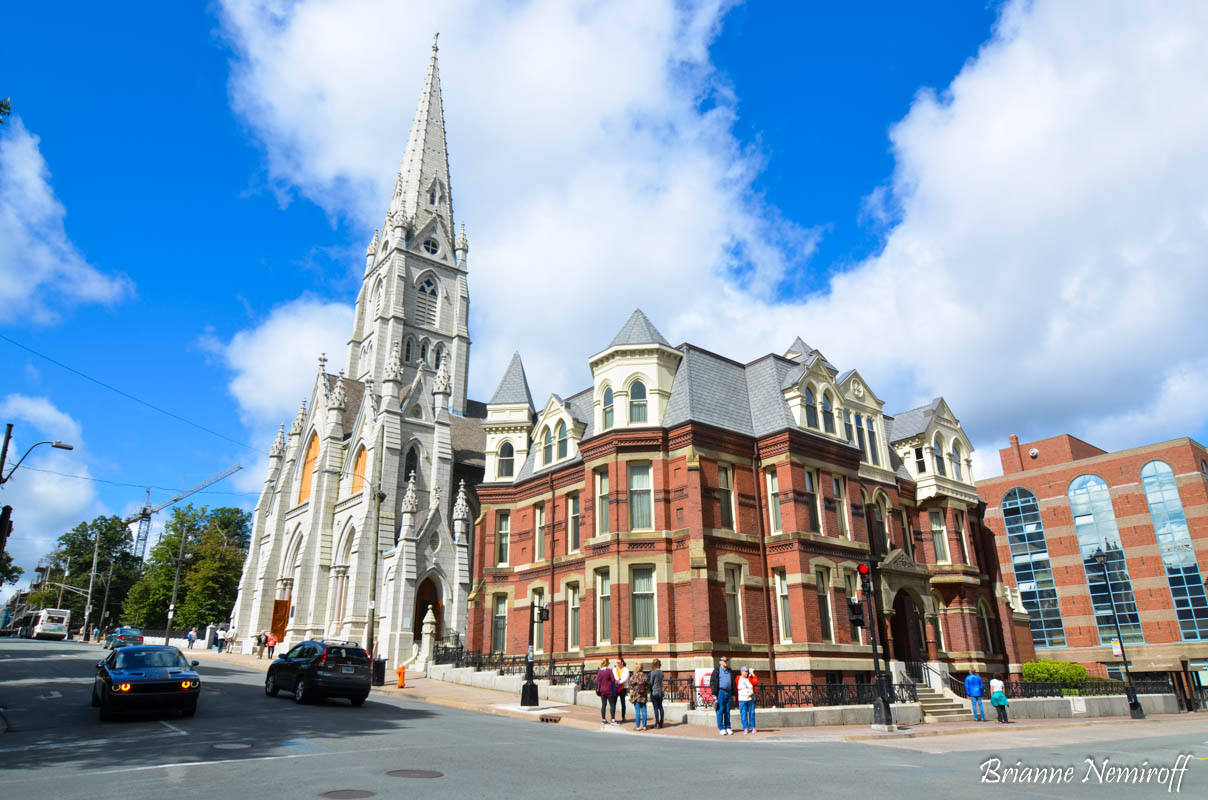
(180, 558)
(1134, 703)
(528, 692)
(8, 433)
(882, 713)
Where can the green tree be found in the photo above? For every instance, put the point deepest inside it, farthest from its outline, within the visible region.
(71, 563)
(9, 572)
(215, 546)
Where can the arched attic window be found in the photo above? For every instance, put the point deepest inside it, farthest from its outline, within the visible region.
(955, 456)
(608, 412)
(507, 460)
(547, 446)
(637, 402)
(358, 471)
(873, 452)
(811, 410)
(308, 468)
(426, 302)
(828, 413)
(937, 454)
(563, 444)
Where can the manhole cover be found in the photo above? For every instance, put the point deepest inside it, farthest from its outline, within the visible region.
(415, 773)
(347, 794)
(232, 746)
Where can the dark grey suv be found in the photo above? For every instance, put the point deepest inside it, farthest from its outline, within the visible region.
(314, 670)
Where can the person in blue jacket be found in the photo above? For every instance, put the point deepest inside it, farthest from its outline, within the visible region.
(974, 688)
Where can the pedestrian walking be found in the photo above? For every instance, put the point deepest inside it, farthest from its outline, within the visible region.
(746, 701)
(221, 640)
(656, 691)
(272, 643)
(998, 698)
(721, 683)
(606, 688)
(639, 693)
(974, 688)
(192, 636)
(96, 634)
(622, 675)
(230, 639)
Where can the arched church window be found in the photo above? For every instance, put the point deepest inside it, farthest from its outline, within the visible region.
(423, 352)
(507, 459)
(562, 442)
(432, 196)
(608, 408)
(637, 402)
(407, 351)
(425, 302)
(411, 464)
(308, 468)
(547, 446)
(358, 471)
(438, 352)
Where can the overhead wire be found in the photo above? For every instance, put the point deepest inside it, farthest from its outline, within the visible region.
(135, 485)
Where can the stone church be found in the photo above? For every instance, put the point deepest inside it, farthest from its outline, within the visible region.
(372, 483)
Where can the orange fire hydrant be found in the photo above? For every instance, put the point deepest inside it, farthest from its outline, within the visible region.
(402, 676)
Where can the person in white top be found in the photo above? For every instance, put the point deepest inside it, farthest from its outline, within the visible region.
(221, 639)
(998, 698)
(746, 701)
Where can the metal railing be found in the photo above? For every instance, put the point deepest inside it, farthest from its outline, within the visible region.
(1028, 689)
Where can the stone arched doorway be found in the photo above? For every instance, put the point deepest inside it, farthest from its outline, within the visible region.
(907, 627)
(427, 596)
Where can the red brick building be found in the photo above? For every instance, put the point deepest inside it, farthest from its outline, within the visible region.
(686, 506)
(1061, 499)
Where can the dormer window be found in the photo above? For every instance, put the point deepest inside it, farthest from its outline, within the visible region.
(937, 454)
(547, 447)
(847, 427)
(507, 460)
(828, 414)
(637, 402)
(872, 442)
(563, 444)
(608, 408)
(860, 433)
(811, 410)
(956, 460)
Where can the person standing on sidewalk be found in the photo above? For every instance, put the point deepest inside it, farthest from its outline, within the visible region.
(221, 639)
(272, 643)
(721, 683)
(192, 636)
(656, 691)
(621, 673)
(746, 701)
(606, 687)
(974, 688)
(998, 698)
(639, 693)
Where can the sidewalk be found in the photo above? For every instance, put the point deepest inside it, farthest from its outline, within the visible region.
(488, 701)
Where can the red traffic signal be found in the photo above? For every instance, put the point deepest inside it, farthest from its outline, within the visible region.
(863, 569)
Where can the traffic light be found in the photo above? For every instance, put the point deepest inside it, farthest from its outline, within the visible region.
(863, 570)
(856, 609)
(544, 614)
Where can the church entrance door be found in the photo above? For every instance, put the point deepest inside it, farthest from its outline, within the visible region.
(907, 633)
(427, 596)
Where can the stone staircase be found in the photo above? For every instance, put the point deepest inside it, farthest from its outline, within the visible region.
(941, 708)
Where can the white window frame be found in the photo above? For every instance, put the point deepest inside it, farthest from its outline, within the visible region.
(633, 469)
(812, 487)
(536, 596)
(574, 530)
(772, 482)
(960, 535)
(726, 489)
(503, 538)
(839, 484)
(939, 536)
(501, 602)
(574, 623)
(822, 581)
(539, 532)
(654, 634)
(603, 591)
(783, 611)
(733, 614)
(602, 505)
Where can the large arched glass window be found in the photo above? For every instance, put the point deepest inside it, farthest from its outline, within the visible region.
(608, 413)
(358, 471)
(811, 410)
(1176, 549)
(955, 457)
(637, 402)
(426, 302)
(828, 413)
(411, 464)
(1095, 526)
(308, 468)
(547, 446)
(507, 460)
(1033, 571)
(563, 444)
(937, 455)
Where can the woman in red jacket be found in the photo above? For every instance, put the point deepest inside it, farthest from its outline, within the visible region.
(606, 687)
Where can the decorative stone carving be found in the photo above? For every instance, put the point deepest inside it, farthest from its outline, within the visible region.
(339, 395)
(443, 382)
(461, 508)
(372, 248)
(296, 428)
(394, 363)
(278, 448)
(462, 245)
(410, 500)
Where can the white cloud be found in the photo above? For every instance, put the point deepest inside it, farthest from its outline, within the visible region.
(44, 504)
(41, 271)
(1045, 265)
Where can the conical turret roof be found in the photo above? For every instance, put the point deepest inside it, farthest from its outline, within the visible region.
(513, 388)
(638, 330)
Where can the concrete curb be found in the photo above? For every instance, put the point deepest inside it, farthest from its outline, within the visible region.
(913, 734)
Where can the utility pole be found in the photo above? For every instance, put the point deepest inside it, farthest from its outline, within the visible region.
(184, 535)
(100, 620)
(96, 549)
(8, 434)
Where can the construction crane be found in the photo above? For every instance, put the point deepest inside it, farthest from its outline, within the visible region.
(143, 517)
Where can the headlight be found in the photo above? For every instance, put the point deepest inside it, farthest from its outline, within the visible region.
(190, 684)
(125, 687)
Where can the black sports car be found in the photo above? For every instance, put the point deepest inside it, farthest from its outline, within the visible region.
(146, 678)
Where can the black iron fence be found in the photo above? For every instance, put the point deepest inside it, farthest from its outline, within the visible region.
(1030, 689)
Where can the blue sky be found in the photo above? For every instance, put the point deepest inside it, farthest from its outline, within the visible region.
(1002, 204)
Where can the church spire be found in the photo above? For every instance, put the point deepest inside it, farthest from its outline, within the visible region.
(421, 190)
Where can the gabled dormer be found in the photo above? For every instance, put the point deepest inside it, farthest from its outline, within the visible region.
(811, 393)
(632, 377)
(556, 434)
(508, 424)
(937, 453)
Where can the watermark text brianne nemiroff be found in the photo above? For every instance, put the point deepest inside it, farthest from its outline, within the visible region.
(1090, 770)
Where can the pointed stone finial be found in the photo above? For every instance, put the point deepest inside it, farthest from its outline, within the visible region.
(435, 36)
(372, 248)
(462, 245)
(443, 381)
(322, 363)
(461, 509)
(278, 448)
(394, 363)
(296, 428)
(339, 395)
(410, 501)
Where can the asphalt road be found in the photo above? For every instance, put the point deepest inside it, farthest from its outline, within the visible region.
(243, 744)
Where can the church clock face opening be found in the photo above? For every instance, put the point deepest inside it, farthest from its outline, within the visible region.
(431, 247)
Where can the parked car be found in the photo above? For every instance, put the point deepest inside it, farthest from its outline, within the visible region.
(317, 669)
(146, 678)
(123, 637)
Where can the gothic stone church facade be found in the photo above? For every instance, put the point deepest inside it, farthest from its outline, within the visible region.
(686, 505)
(378, 459)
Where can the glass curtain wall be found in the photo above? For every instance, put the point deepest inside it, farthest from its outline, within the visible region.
(1033, 571)
(1178, 553)
(1095, 525)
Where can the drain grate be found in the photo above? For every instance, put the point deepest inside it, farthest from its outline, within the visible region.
(347, 794)
(415, 773)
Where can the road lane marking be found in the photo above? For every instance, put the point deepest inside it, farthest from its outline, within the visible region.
(50, 696)
(239, 760)
(172, 727)
(54, 745)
